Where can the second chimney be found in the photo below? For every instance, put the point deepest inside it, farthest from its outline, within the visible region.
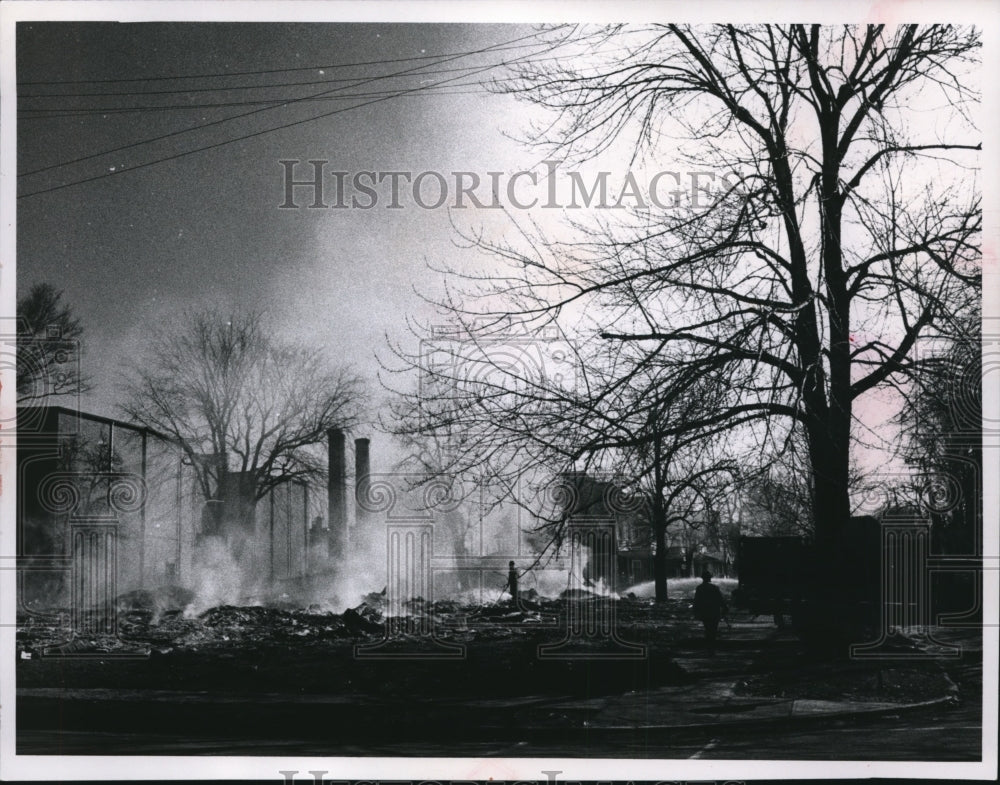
(362, 472)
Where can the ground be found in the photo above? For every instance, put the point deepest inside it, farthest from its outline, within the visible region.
(286, 677)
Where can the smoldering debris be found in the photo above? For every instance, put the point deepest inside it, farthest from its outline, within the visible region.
(164, 621)
(266, 649)
(363, 619)
(157, 601)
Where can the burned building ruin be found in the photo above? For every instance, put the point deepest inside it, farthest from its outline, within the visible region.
(101, 494)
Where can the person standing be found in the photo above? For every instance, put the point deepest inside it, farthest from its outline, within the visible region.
(512, 582)
(709, 607)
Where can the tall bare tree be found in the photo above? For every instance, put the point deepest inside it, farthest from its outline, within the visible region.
(846, 228)
(684, 475)
(243, 406)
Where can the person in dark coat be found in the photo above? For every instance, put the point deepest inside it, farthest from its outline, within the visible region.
(709, 607)
(512, 582)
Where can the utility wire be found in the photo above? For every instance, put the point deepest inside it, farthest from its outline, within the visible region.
(269, 70)
(227, 88)
(267, 108)
(55, 111)
(37, 113)
(46, 114)
(248, 136)
(62, 111)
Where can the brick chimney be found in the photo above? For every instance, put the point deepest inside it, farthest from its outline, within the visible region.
(362, 471)
(336, 495)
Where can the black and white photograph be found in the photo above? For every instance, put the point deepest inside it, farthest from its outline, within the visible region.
(513, 392)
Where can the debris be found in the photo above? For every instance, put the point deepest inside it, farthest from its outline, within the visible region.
(446, 606)
(585, 594)
(228, 628)
(363, 619)
(158, 600)
(101, 644)
(375, 599)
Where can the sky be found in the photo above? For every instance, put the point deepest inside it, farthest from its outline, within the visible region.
(137, 224)
(133, 250)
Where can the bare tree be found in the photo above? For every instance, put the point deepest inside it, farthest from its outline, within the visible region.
(684, 475)
(843, 231)
(491, 409)
(942, 431)
(48, 347)
(244, 407)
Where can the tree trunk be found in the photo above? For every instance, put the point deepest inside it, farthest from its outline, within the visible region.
(659, 526)
(660, 556)
(830, 441)
(829, 462)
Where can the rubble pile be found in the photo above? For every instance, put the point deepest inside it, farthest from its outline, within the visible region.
(165, 620)
(271, 648)
(157, 601)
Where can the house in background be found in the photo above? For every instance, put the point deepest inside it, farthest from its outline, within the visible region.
(599, 503)
(704, 541)
(692, 546)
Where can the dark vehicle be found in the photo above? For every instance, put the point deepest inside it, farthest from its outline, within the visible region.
(831, 592)
(772, 572)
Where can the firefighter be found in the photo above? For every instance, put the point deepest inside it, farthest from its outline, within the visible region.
(512, 581)
(709, 608)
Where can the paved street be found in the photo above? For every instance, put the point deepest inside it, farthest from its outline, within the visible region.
(690, 721)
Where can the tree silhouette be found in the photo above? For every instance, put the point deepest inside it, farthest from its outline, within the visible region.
(48, 347)
(846, 228)
(244, 407)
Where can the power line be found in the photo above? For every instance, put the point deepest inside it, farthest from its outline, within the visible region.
(246, 136)
(266, 71)
(45, 114)
(229, 88)
(265, 109)
(58, 112)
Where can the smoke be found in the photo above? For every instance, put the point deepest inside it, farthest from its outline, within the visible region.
(236, 569)
(552, 583)
(218, 577)
(363, 569)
